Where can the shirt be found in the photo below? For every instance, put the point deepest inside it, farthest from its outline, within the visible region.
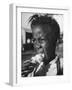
(53, 68)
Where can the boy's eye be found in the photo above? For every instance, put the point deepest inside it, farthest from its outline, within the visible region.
(40, 40)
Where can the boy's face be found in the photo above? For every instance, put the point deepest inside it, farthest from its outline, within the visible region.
(38, 39)
(41, 44)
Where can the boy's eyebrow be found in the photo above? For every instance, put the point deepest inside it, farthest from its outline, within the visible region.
(41, 37)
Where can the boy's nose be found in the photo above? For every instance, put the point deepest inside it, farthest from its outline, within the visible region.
(38, 45)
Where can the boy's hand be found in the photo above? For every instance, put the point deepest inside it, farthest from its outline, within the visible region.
(28, 67)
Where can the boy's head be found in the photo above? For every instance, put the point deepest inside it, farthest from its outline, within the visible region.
(46, 32)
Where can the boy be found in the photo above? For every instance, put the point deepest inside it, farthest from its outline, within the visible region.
(46, 33)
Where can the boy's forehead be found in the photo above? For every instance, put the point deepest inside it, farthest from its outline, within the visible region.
(41, 29)
(37, 29)
(38, 32)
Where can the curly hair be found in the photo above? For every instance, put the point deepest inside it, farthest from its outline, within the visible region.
(48, 24)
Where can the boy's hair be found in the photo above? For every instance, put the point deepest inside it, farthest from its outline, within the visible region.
(48, 24)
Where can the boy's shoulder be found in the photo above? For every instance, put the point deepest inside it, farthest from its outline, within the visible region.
(56, 67)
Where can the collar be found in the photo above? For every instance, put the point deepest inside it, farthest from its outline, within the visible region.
(54, 60)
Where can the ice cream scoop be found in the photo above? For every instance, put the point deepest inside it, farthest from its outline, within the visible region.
(37, 58)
